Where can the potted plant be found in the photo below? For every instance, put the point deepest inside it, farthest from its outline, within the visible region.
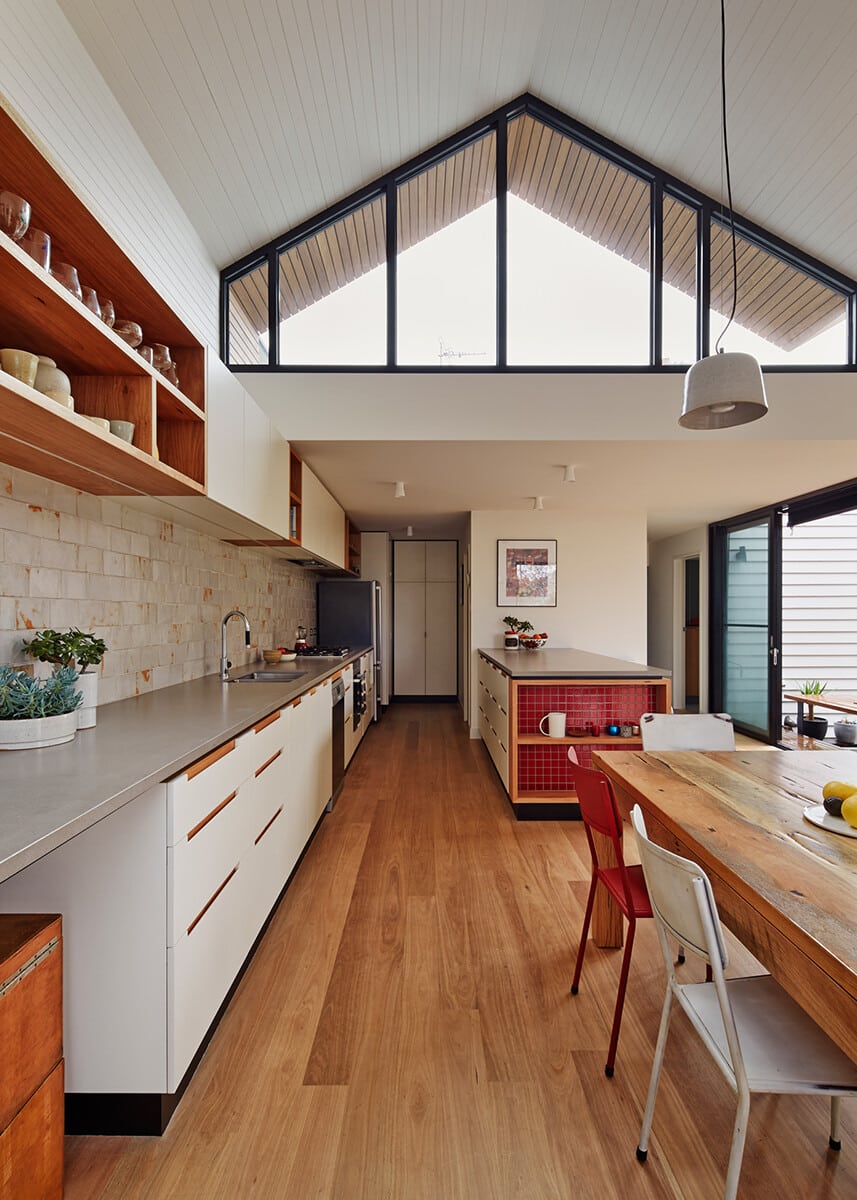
(76, 650)
(516, 627)
(845, 731)
(37, 712)
(812, 726)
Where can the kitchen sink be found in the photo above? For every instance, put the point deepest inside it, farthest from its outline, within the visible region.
(268, 677)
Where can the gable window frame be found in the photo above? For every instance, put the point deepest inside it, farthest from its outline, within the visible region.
(661, 184)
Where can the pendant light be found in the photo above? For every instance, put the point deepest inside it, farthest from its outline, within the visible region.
(724, 389)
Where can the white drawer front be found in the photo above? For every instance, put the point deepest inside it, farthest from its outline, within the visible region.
(200, 969)
(266, 737)
(197, 865)
(192, 795)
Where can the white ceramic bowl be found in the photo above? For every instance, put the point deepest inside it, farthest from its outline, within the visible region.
(290, 656)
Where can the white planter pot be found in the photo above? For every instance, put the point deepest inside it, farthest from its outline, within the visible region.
(846, 735)
(33, 733)
(88, 685)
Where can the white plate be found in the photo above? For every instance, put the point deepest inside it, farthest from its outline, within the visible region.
(817, 814)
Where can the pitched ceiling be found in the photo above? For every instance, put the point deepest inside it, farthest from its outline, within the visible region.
(260, 113)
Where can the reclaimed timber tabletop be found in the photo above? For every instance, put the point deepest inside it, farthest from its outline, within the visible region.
(786, 888)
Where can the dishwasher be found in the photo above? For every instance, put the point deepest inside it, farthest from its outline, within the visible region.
(337, 741)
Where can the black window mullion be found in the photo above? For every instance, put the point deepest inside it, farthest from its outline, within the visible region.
(851, 327)
(501, 147)
(273, 308)
(656, 274)
(703, 281)
(392, 251)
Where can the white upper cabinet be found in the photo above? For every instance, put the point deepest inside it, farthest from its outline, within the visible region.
(323, 521)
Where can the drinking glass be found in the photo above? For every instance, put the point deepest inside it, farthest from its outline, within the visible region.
(108, 312)
(37, 244)
(90, 299)
(147, 353)
(14, 215)
(66, 274)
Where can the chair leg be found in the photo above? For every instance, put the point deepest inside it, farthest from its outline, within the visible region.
(681, 957)
(581, 950)
(620, 998)
(736, 1154)
(657, 1063)
(835, 1141)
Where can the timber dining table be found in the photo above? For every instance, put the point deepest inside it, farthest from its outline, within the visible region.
(786, 888)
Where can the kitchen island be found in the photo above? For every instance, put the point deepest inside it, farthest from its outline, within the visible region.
(164, 836)
(518, 687)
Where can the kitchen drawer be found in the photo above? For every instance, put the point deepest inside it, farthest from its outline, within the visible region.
(270, 789)
(266, 737)
(197, 864)
(200, 969)
(193, 794)
(31, 1147)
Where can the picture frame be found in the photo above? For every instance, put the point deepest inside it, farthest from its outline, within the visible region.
(526, 573)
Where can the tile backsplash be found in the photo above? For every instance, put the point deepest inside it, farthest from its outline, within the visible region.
(156, 591)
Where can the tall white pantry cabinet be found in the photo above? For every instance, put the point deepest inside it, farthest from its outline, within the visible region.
(425, 624)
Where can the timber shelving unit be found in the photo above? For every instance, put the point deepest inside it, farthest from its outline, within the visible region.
(353, 548)
(108, 378)
(534, 769)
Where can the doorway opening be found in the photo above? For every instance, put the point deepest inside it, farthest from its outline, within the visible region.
(690, 627)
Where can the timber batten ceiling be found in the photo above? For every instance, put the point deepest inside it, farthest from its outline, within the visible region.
(567, 180)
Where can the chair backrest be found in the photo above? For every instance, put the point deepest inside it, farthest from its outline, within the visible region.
(681, 897)
(687, 731)
(597, 803)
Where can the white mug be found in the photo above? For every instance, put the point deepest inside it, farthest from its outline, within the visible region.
(556, 724)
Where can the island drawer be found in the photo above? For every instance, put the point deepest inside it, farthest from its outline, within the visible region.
(202, 786)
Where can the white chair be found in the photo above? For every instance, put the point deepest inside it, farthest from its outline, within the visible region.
(759, 1037)
(687, 731)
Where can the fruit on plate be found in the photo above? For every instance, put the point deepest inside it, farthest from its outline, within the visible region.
(849, 809)
(834, 793)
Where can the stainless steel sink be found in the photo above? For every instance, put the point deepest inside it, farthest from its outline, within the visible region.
(268, 677)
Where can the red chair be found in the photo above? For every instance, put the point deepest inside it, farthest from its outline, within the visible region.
(624, 883)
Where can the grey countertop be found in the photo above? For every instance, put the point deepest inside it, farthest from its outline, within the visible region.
(567, 663)
(48, 796)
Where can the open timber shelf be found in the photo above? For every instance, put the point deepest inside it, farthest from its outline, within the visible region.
(108, 378)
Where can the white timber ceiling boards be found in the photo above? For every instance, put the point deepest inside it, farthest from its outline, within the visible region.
(262, 113)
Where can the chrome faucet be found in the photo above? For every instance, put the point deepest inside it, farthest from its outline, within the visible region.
(225, 664)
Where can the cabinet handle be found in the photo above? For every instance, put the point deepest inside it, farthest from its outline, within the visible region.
(209, 902)
(202, 824)
(295, 703)
(275, 716)
(268, 826)
(203, 764)
(267, 764)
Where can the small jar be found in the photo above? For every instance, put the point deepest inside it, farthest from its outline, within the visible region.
(511, 641)
(625, 730)
(51, 381)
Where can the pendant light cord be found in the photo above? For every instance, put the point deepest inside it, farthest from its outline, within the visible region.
(717, 349)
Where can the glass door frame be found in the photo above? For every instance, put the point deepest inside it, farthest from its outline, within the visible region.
(718, 541)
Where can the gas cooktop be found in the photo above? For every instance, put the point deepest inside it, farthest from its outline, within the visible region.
(323, 651)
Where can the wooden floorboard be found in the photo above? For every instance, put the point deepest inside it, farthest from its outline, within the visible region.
(405, 1030)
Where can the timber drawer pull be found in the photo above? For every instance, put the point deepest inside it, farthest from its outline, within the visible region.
(268, 826)
(209, 902)
(295, 703)
(220, 807)
(210, 759)
(267, 764)
(275, 716)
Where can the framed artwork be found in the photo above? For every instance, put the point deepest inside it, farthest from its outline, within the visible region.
(526, 573)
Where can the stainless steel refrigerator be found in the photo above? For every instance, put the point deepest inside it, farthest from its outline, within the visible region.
(349, 614)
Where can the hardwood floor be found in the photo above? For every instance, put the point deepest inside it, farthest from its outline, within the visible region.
(405, 1030)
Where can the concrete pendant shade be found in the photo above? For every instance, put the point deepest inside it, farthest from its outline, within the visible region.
(723, 390)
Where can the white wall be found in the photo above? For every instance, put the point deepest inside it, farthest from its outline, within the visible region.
(51, 86)
(666, 606)
(601, 583)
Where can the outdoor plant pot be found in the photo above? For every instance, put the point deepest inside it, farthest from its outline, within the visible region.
(815, 727)
(34, 732)
(845, 733)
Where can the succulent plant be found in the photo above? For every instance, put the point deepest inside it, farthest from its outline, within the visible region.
(812, 687)
(69, 649)
(22, 698)
(517, 626)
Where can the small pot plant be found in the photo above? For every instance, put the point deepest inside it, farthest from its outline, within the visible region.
(515, 628)
(845, 731)
(814, 727)
(37, 712)
(78, 651)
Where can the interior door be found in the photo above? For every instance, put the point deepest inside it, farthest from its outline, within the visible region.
(409, 653)
(746, 622)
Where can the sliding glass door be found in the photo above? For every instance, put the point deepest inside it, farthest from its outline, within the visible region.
(746, 622)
